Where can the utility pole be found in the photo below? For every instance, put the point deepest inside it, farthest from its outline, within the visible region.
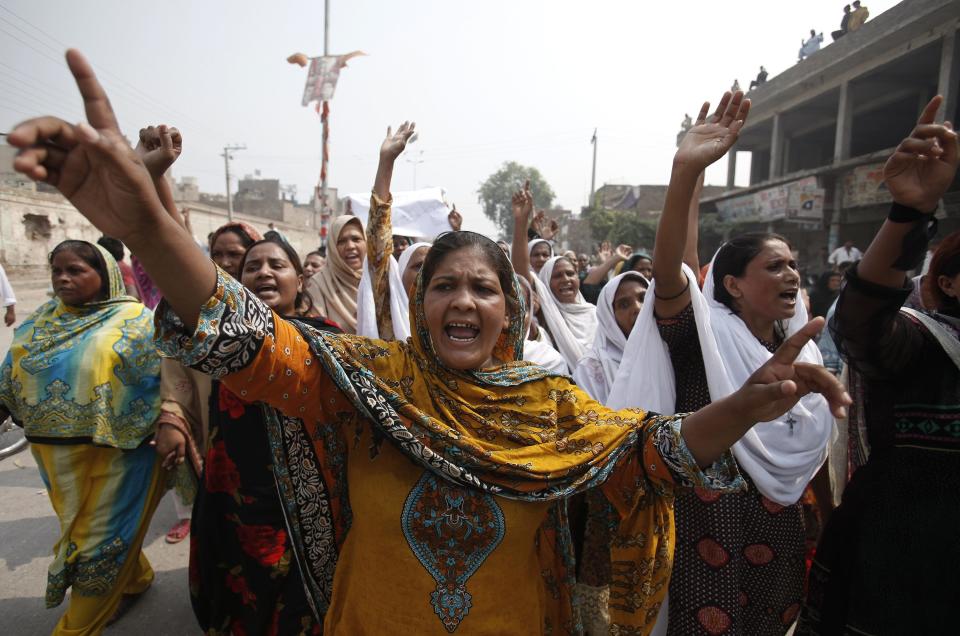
(325, 120)
(415, 163)
(226, 167)
(593, 175)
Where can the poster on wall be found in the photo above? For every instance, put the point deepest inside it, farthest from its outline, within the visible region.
(800, 201)
(864, 186)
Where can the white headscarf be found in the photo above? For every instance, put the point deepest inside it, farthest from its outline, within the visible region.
(399, 303)
(404, 260)
(780, 458)
(572, 325)
(598, 368)
(541, 350)
(532, 244)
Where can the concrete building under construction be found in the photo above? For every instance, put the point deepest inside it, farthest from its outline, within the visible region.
(819, 132)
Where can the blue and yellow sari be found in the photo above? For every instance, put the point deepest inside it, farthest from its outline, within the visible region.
(84, 383)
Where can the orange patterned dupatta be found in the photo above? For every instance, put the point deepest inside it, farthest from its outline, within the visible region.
(514, 431)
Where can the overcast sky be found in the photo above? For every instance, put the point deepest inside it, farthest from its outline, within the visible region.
(486, 82)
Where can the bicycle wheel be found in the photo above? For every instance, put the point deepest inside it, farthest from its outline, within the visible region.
(12, 439)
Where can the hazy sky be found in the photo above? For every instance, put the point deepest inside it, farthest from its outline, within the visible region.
(486, 82)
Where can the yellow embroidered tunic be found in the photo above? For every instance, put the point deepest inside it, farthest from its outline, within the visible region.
(430, 502)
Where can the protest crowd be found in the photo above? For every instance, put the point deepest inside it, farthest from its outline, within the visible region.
(449, 434)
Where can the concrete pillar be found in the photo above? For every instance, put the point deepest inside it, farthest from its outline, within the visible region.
(838, 216)
(841, 144)
(732, 168)
(949, 77)
(776, 148)
(785, 166)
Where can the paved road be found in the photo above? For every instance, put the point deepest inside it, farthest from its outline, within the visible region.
(28, 530)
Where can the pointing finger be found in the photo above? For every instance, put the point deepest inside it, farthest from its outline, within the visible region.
(100, 113)
(929, 114)
(787, 352)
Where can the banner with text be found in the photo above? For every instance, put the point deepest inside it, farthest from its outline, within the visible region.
(800, 201)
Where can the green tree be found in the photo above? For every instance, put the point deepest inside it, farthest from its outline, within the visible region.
(622, 226)
(494, 193)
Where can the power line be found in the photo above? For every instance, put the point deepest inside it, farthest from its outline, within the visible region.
(15, 110)
(24, 80)
(133, 91)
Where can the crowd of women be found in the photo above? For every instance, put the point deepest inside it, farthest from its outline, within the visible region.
(461, 436)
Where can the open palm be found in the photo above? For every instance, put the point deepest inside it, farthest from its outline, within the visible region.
(92, 164)
(712, 137)
(924, 164)
(395, 142)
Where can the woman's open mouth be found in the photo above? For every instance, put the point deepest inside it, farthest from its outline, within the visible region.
(463, 332)
(266, 289)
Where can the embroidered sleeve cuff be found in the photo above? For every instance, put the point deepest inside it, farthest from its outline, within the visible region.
(378, 203)
(230, 330)
(672, 451)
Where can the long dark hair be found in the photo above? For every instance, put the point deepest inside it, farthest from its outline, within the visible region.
(450, 242)
(945, 262)
(89, 255)
(303, 302)
(732, 260)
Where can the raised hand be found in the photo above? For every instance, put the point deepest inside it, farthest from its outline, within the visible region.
(159, 147)
(545, 226)
(605, 252)
(395, 142)
(91, 164)
(623, 252)
(711, 137)
(522, 204)
(924, 164)
(778, 385)
(455, 219)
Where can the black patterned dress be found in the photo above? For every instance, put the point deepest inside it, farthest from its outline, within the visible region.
(739, 561)
(244, 579)
(889, 557)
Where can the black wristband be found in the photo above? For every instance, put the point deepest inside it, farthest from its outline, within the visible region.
(914, 247)
(903, 214)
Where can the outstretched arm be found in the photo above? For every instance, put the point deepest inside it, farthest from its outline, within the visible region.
(100, 174)
(703, 144)
(875, 337)
(380, 226)
(769, 393)
(691, 258)
(522, 205)
(159, 148)
(917, 175)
